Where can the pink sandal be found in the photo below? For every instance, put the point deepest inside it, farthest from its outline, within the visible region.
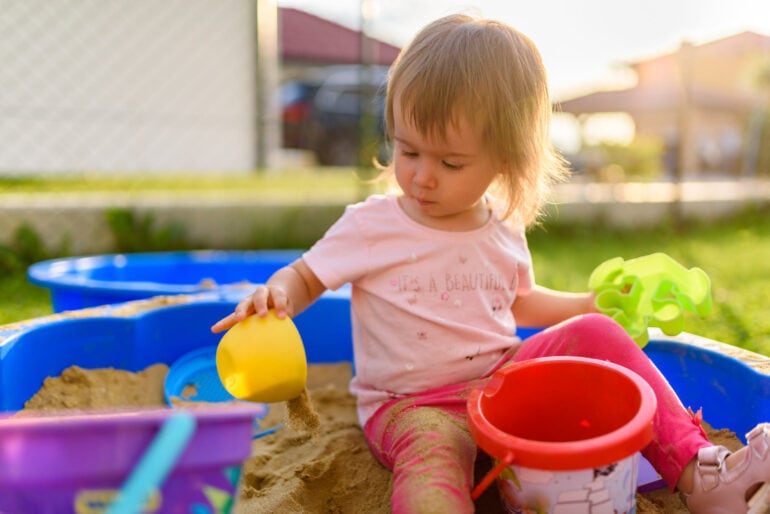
(717, 490)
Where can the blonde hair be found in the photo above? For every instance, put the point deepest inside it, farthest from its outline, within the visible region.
(493, 76)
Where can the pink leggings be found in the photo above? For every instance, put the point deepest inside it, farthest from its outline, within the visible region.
(424, 438)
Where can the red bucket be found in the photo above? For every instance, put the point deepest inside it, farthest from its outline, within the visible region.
(565, 432)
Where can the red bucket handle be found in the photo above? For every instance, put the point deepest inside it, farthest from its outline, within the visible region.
(492, 475)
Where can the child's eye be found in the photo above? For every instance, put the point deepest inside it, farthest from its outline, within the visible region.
(408, 153)
(451, 166)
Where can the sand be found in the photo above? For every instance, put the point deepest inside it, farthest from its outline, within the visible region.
(317, 462)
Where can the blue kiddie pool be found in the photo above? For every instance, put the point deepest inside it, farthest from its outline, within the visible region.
(89, 281)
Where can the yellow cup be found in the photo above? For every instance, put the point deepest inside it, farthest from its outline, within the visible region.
(262, 359)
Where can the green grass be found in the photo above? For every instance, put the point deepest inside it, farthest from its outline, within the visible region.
(316, 184)
(20, 300)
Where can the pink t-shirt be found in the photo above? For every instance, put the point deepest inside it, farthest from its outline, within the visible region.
(429, 307)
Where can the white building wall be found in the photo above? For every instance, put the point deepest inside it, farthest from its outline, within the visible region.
(127, 86)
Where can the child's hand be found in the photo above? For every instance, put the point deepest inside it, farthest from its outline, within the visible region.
(287, 292)
(264, 298)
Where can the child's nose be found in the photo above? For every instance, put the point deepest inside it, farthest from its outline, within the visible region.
(424, 175)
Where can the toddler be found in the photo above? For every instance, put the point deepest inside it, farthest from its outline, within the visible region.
(441, 277)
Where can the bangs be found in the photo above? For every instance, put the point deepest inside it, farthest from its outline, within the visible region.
(432, 110)
(434, 94)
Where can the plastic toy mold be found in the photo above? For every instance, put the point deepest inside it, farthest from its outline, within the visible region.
(649, 291)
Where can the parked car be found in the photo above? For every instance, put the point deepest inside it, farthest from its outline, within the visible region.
(323, 113)
(296, 107)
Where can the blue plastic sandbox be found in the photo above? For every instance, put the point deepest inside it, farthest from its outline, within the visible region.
(33, 350)
(89, 281)
(135, 335)
(732, 394)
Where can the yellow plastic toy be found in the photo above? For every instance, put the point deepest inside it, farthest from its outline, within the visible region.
(262, 359)
(650, 291)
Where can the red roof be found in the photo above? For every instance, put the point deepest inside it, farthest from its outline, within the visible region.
(305, 37)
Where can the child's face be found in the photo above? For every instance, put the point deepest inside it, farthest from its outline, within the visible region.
(443, 181)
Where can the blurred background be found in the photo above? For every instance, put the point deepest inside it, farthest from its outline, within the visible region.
(134, 125)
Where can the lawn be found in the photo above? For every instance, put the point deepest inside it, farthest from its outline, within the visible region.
(319, 184)
(735, 254)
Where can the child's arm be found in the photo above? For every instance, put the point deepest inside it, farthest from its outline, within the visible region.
(289, 291)
(543, 307)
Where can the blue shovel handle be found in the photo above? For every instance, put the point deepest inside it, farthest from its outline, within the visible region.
(156, 463)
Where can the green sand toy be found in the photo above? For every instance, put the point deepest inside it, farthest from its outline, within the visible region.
(649, 291)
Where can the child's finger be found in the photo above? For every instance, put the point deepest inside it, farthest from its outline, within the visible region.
(259, 300)
(280, 305)
(224, 323)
